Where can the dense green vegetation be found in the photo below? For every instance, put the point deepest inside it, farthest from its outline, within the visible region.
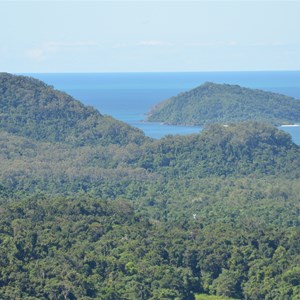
(224, 103)
(209, 297)
(84, 248)
(215, 213)
(56, 168)
(240, 149)
(30, 108)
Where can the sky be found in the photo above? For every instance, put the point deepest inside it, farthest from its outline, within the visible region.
(149, 36)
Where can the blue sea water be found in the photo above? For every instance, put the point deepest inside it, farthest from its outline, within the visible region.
(129, 96)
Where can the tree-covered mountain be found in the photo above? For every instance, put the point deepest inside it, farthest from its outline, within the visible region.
(30, 108)
(224, 103)
(236, 150)
(121, 217)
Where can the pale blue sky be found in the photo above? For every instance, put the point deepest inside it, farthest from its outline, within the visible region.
(149, 36)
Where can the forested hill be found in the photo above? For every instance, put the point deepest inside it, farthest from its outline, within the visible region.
(126, 217)
(237, 149)
(30, 108)
(224, 103)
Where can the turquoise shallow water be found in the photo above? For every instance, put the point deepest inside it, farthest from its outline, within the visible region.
(129, 96)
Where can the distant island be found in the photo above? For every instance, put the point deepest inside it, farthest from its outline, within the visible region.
(225, 103)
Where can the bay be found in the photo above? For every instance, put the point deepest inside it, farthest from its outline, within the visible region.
(129, 96)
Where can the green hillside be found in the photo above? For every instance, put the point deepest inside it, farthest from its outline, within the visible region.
(213, 215)
(30, 108)
(237, 150)
(224, 103)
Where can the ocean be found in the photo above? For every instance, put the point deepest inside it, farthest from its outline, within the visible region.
(129, 96)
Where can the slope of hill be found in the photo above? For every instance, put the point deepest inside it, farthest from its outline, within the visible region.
(224, 103)
(238, 149)
(114, 170)
(30, 108)
(163, 219)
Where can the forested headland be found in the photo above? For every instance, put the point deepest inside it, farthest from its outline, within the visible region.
(102, 212)
(224, 103)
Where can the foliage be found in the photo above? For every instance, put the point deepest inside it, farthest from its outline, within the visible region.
(30, 108)
(216, 213)
(85, 247)
(237, 150)
(71, 248)
(224, 103)
(241, 149)
(210, 297)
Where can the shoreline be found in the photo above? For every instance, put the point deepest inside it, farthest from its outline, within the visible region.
(290, 125)
(190, 125)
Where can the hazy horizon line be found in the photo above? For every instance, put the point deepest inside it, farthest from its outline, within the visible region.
(141, 72)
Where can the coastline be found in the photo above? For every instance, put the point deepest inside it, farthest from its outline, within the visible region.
(290, 125)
